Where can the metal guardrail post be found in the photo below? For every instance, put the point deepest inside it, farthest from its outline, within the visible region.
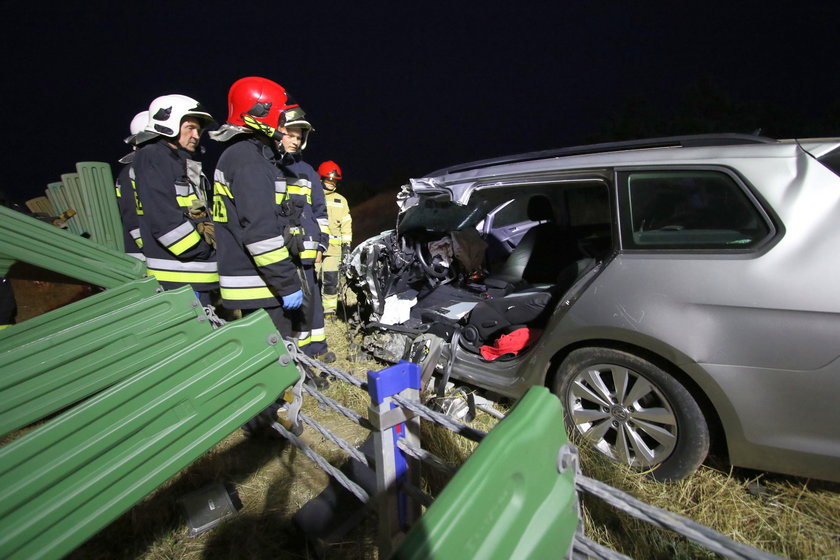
(397, 512)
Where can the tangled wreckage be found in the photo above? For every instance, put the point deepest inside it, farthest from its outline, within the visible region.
(661, 288)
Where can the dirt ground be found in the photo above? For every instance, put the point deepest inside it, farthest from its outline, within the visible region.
(38, 291)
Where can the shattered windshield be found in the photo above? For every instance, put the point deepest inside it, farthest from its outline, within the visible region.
(440, 214)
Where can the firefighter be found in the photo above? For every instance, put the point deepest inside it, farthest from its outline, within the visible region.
(251, 206)
(305, 188)
(175, 227)
(126, 194)
(253, 215)
(341, 235)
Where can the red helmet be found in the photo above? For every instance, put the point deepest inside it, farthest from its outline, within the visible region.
(260, 98)
(329, 170)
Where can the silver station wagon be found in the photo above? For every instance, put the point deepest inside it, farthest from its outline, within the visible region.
(677, 294)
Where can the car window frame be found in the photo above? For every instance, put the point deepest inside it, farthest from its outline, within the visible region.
(625, 228)
(596, 175)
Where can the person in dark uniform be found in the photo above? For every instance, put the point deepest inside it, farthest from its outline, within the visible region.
(126, 193)
(251, 208)
(170, 187)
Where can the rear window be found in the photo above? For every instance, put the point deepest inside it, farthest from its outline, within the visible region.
(691, 209)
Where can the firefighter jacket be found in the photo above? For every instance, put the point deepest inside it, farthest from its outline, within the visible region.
(127, 203)
(307, 192)
(340, 223)
(251, 213)
(168, 180)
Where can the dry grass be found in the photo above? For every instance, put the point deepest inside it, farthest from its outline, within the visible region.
(792, 518)
(789, 517)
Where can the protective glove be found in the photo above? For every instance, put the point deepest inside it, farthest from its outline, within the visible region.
(198, 209)
(293, 301)
(205, 227)
(208, 231)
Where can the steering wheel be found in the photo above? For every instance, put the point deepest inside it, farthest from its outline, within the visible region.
(435, 270)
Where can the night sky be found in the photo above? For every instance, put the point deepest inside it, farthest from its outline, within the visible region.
(398, 89)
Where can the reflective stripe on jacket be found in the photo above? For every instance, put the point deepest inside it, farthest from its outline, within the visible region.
(179, 253)
(254, 263)
(305, 185)
(126, 202)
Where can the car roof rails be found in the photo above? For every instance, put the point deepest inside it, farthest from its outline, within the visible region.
(687, 141)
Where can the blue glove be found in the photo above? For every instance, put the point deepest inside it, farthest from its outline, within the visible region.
(293, 301)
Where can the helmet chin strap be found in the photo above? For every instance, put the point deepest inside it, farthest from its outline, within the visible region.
(269, 131)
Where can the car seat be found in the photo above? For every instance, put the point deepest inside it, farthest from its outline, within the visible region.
(544, 251)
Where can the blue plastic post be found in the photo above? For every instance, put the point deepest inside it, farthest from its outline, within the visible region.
(392, 464)
(392, 380)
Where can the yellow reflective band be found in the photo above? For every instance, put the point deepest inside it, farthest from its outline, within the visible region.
(117, 190)
(186, 200)
(301, 191)
(335, 241)
(304, 341)
(221, 189)
(272, 257)
(185, 277)
(309, 254)
(190, 240)
(219, 209)
(139, 242)
(318, 338)
(137, 205)
(241, 294)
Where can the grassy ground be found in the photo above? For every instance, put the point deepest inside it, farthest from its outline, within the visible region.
(793, 518)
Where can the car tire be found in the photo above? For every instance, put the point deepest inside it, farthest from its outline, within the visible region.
(632, 411)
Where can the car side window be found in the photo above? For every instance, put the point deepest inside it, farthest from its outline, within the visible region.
(689, 209)
(513, 211)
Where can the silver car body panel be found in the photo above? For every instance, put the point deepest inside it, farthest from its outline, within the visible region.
(757, 331)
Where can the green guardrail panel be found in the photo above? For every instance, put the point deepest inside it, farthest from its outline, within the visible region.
(24, 238)
(64, 367)
(508, 500)
(90, 208)
(72, 189)
(65, 480)
(72, 314)
(98, 187)
(55, 194)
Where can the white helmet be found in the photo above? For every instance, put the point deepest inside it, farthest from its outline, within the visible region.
(138, 123)
(167, 111)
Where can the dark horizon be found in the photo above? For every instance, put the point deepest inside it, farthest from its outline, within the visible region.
(398, 92)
